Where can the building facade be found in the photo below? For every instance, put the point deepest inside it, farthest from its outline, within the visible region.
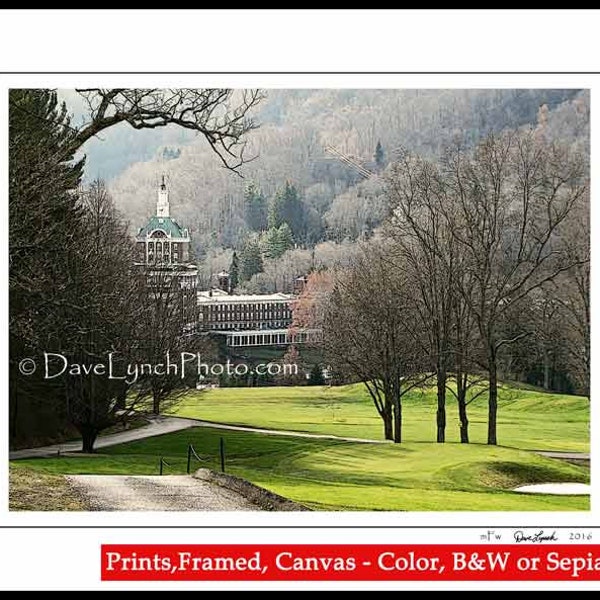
(220, 311)
(163, 251)
(271, 337)
(251, 319)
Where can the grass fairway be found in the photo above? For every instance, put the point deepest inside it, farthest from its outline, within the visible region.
(336, 475)
(527, 419)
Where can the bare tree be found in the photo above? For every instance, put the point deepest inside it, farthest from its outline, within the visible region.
(309, 307)
(465, 349)
(371, 333)
(572, 292)
(166, 329)
(134, 318)
(511, 199)
(222, 116)
(98, 313)
(424, 243)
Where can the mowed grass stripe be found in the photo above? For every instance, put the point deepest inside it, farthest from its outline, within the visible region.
(527, 418)
(336, 475)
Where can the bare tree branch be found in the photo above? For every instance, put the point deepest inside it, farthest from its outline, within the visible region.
(222, 116)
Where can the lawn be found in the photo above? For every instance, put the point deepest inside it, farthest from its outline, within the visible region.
(336, 475)
(527, 418)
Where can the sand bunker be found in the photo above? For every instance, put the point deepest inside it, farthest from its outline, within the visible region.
(559, 489)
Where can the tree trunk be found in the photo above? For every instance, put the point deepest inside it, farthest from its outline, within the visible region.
(13, 410)
(441, 404)
(155, 403)
(462, 417)
(122, 400)
(493, 399)
(88, 436)
(397, 421)
(462, 383)
(546, 370)
(388, 427)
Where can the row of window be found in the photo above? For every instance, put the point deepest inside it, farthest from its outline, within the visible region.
(248, 325)
(252, 307)
(249, 316)
(166, 244)
(268, 339)
(164, 252)
(263, 339)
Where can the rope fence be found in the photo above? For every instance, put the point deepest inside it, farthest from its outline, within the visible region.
(192, 454)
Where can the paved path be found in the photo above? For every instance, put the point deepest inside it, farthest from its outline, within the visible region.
(157, 426)
(167, 492)
(286, 432)
(163, 425)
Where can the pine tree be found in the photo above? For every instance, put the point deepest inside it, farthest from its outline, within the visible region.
(234, 271)
(255, 208)
(286, 207)
(44, 229)
(286, 238)
(379, 156)
(276, 241)
(275, 214)
(270, 242)
(251, 261)
(315, 376)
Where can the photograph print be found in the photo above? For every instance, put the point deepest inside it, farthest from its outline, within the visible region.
(299, 299)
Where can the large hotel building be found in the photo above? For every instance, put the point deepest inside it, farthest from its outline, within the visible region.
(244, 320)
(251, 319)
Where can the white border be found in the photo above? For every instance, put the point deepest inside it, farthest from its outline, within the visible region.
(80, 547)
(300, 40)
(229, 40)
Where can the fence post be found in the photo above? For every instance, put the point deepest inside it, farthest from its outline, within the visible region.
(222, 452)
(189, 460)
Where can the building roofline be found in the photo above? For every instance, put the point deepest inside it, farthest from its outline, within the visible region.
(205, 298)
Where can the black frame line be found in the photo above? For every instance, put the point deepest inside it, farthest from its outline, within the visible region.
(299, 72)
(496, 527)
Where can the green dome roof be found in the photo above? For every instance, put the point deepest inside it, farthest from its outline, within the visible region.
(166, 224)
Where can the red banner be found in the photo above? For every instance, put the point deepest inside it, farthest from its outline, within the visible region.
(129, 562)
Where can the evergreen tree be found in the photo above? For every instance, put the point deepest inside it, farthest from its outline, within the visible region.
(270, 242)
(275, 214)
(286, 207)
(286, 238)
(234, 271)
(315, 376)
(276, 241)
(255, 208)
(44, 230)
(379, 156)
(251, 261)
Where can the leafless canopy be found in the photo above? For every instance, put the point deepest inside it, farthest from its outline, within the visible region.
(220, 115)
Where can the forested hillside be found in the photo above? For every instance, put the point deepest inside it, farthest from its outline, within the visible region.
(300, 205)
(424, 183)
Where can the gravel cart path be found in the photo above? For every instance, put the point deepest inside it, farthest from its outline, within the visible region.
(166, 492)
